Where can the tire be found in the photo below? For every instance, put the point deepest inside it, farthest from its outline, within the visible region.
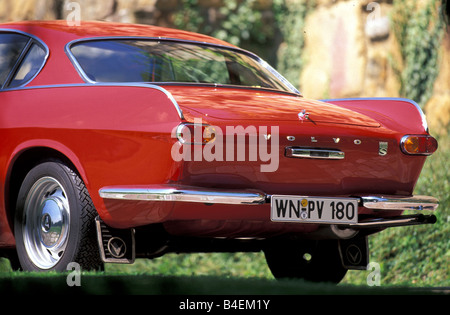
(315, 261)
(54, 221)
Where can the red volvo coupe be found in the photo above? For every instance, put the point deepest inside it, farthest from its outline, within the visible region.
(123, 141)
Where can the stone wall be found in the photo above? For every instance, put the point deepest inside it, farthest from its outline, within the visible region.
(348, 53)
(126, 11)
(347, 49)
(348, 43)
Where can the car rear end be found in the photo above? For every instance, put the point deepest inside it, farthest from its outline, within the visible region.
(332, 153)
(258, 164)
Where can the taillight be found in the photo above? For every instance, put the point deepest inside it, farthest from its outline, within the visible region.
(189, 133)
(418, 144)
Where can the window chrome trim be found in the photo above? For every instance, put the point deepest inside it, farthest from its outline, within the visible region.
(17, 64)
(33, 40)
(141, 85)
(263, 63)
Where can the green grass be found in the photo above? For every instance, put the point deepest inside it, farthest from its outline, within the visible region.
(416, 256)
(105, 283)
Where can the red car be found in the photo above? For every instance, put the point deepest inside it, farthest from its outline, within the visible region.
(124, 141)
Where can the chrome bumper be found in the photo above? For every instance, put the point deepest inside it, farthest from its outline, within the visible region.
(218, 196)
(400, 203)
(251, 197)
(184, 194)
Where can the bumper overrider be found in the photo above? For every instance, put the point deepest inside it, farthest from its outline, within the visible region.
(177, 193)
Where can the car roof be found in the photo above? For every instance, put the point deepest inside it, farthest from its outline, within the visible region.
(62, 31)
(56, 35)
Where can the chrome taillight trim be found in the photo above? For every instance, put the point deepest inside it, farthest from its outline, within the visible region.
(404, 139)
(179, 133)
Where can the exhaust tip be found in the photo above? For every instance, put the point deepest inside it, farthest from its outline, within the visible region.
(431, 219)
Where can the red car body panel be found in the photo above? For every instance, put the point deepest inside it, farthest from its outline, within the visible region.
(76, 131)
(122, 135)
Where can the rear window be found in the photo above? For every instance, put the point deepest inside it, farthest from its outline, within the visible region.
(120, 60)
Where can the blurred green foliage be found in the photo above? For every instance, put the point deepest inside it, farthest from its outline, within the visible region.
(291, 17)
(236, 22)
(418, 27)
(261, 30)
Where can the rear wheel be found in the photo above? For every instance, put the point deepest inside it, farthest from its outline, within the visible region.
(316, 261)
(54, 221)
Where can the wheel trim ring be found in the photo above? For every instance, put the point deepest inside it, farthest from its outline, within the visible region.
(42, 255)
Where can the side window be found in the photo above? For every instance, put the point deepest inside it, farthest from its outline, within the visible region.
(11, 48)
(30, 65)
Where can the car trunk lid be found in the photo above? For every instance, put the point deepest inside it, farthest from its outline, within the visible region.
(234, 104)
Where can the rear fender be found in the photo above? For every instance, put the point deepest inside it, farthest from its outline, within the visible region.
(98, 128)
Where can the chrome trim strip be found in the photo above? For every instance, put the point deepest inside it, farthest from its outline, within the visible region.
(142, 85)
(184, 194)
(421, 113)
(417, 203)
(309, 153)
(39, 42)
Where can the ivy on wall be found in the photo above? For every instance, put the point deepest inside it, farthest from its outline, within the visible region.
(235, 21)
(418, 27)
(291, 16)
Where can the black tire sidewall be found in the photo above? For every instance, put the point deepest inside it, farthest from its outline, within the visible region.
(59, 172)
(287, 261)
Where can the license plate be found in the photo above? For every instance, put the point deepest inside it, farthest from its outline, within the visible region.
(314, 209)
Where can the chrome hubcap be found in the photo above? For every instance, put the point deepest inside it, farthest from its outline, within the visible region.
(46, 222)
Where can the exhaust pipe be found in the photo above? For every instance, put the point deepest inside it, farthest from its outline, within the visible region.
(347, 231)
(404, 220)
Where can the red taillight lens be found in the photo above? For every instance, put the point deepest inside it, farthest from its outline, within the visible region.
(419, 144)
(189, 133)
